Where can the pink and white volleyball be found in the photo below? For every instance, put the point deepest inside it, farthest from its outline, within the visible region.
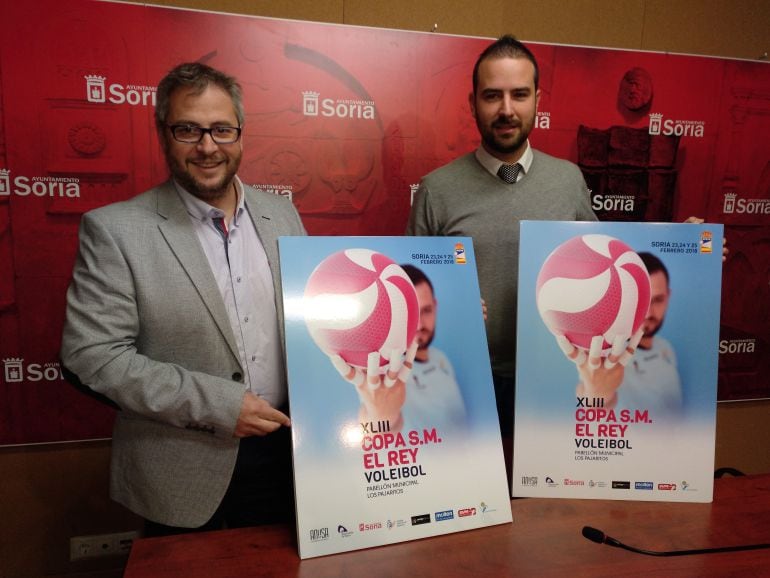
(593, 285)
(358, 301)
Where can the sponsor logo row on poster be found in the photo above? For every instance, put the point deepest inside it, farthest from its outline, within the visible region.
(534, 481)
(324, 533)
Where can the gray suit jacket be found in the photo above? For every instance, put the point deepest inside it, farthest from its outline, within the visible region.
(147, 327)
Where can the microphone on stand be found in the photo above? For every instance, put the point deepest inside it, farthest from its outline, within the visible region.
(601, 538)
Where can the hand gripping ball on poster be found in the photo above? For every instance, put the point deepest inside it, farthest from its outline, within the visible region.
(593, 293)
(361, 310)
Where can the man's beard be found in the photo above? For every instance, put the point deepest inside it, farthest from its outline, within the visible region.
(505, 147)
(652, 332)
(428, 341)
(197, 188)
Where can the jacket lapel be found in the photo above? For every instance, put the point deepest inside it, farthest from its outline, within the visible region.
(268, 232)
(180, 236)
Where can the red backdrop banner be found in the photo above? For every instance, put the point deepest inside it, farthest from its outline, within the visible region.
(345, 120)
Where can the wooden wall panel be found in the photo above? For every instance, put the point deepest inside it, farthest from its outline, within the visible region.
(50, 493)
(743, 436)
(584, 22)
(313, 10)
(484, 18)
(739, 29)
(711, 27)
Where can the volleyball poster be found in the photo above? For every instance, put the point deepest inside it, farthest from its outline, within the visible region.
(385, 452)
(617, 352)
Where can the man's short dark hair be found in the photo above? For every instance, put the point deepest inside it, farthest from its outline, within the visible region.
(505, 47)
(197, 76)
(417, 276)
(653, 264)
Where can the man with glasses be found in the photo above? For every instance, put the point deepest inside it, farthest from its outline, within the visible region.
(174, 314)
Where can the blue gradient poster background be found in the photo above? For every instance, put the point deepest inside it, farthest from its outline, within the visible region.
(357, 483)
(569, 445)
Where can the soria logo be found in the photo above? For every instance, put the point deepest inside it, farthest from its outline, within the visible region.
(23, 186)
(314, 105)
(735, 205)
(659, 125)
(737, 346)
(613, 202)
(543, 120)
(570, 482)
(15, 371)
(98, 91)
(279, 190)
(412, 192)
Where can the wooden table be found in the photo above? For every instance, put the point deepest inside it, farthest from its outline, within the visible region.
(544, 540)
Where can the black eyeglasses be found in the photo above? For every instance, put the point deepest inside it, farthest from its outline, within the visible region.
(192, 134)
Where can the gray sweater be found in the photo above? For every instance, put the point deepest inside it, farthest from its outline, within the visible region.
(463, 199)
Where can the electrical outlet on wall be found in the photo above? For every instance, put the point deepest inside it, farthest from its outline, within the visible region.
(98, 545)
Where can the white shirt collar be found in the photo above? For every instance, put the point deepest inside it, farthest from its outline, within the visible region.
(492, 164)
(202, 211)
